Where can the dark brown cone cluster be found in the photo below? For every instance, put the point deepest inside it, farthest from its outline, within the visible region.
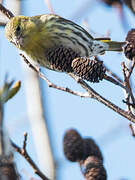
(8, 172)
(60, 58)
(87, 153)
(129, 49)
(7, 168)
(91, 149)
(93, 169)
(73, 146)
(90, 70)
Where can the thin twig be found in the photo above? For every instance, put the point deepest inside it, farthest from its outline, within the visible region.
(128, 103)
(132, 130)
(101, 99)
(25, 141)
(112, 80)
(132, 67)
(6, 12)
(127, 74)
(127, 97)
(115, 79)
(91, 92)
(113, 74)
(22, 151)
(50, 84)
(126, 88)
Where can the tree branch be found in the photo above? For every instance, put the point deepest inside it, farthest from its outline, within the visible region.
(22, 151)
(6, 12)
(91, 93)
(101, 99)
(127, 74)
(132, 67)
(115, 76)
(132, 129)
(50, 84)
(112, 80)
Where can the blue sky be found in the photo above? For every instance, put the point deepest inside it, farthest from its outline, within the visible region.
(64, 110)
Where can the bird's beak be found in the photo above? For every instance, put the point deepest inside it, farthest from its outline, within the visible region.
(17, 41)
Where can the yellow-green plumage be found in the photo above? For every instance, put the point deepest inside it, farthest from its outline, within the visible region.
(39, 36)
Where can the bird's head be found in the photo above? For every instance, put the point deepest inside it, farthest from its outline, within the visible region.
(19, 31)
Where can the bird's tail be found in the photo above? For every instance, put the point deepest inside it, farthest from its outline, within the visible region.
(114, 45)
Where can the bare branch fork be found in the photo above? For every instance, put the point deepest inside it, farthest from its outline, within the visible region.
(90, 92)
(6, 12)
(23, 152)
(50, 84)
(119, 82)
(127, 74)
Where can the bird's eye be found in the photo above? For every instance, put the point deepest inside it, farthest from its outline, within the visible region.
(18, 28)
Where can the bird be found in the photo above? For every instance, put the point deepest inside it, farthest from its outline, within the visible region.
(53, 41)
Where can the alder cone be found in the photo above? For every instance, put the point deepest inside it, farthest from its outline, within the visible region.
(91, 149)
(129, 49)
(90, 70)
(93, 169)
(61, 58)
(73, 145)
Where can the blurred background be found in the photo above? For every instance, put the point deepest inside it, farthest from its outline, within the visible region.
(36, 103)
